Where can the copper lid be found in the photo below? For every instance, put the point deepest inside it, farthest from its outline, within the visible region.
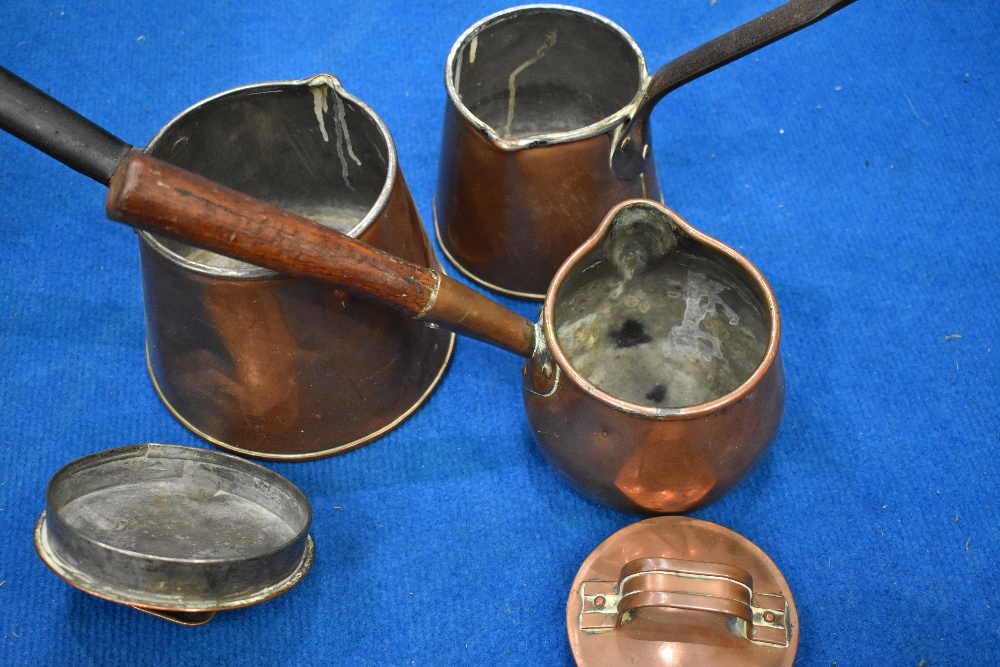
(674, 590)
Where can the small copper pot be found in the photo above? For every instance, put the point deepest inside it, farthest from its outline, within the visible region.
(261, 363)
(547, 127)
(689, 390)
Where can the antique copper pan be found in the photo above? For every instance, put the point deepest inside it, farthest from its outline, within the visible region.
(547, 127)
(257, 362)
(653, 381)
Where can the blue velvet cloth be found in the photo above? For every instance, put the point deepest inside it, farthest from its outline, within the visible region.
(855, 163)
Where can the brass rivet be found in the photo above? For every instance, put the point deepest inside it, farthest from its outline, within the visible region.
(769, 616)
(599, 601)
(626, 142)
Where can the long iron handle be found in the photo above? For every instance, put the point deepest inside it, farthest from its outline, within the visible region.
(784, 20)
(53, 128)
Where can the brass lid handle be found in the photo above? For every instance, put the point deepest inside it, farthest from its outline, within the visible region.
(665, 599)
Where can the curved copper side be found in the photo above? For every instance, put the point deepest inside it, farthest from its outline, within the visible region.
(643, 459)
(279, 367)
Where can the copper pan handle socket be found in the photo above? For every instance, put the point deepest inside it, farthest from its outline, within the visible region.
(672, 600)
(629, 147)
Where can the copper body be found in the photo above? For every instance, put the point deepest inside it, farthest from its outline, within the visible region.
(508, 211)
(681, 592)
(508, 217)
(280, 367)
(547, 127)
(643, 459)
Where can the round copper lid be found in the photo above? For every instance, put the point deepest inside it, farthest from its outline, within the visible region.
(674, 590)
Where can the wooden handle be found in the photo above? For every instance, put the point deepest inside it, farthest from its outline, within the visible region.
(158, 197)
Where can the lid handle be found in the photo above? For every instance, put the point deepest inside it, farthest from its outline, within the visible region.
(666, 599)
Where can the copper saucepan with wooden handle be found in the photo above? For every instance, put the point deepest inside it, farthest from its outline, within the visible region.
(248, 359)
(652, 382)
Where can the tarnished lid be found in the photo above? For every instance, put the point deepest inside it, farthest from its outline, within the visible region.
(178, 532)
(679, 591)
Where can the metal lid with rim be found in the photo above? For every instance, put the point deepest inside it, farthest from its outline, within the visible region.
(678, 591)
(178, 532)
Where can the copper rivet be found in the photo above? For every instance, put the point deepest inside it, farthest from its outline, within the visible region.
(599, 601)
(769, 616)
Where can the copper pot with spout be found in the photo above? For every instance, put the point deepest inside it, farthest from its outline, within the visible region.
(547, 127)
(256, 362)
(261, 363)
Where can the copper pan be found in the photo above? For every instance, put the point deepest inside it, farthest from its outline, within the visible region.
(547, 127)
(652, 382)
(261, 363)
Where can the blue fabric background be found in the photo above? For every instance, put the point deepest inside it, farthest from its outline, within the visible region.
(855, 163)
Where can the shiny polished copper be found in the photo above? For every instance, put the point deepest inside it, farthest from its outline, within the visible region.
(681, 592)
(639, 454)
(264, 364)
(684, 394)
(547, 127)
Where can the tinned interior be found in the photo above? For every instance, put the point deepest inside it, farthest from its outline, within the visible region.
(540, 71)
(169, 502)
(653, 317)
(301, 146)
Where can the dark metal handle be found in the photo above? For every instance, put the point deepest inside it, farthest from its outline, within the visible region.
(724, 49)
(55, 129)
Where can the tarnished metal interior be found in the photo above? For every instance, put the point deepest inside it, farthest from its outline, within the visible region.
(278, 144)
(655, 318)
(166, 502)
(538, 71)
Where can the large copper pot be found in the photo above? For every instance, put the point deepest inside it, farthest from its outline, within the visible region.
(265, 364)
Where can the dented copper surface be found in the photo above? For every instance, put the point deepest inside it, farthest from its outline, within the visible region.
(681, 592)
(662, 384)
(273, 366)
